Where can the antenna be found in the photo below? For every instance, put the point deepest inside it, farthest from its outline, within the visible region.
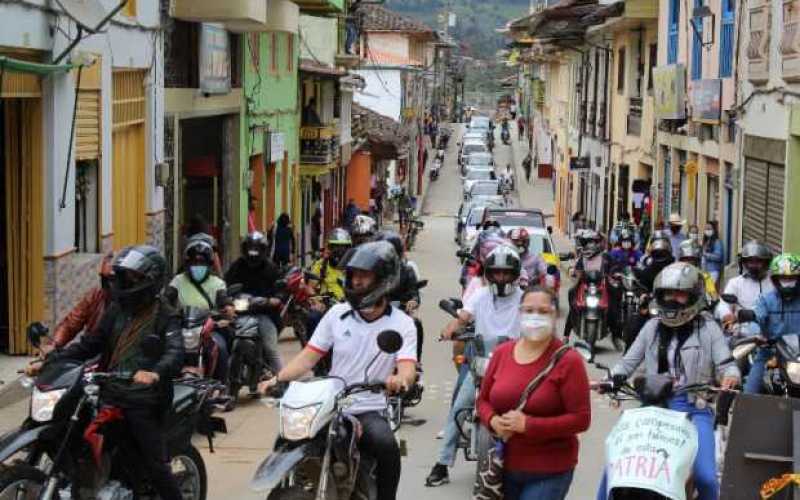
(88, 14)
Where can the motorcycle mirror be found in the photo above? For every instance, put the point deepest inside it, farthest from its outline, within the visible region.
(746, 316)
(550, 229)
(422, 284)
(583, 349)
(744, 347)
(151, 346)
(729, 298)
(35, 332)
(457, 303)
(390, 341)
(447, 306)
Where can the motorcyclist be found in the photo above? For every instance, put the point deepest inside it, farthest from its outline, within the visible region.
(85, 316)
(591, 257)
(494, 309)
(136, 320)
(692, 253)
(623, 224)
(258, 275)
(472, 271)
(328, 266)
(534, 265)
(350, 330)
(364, 229)
(625, 254)
(658, 257)
(197, 286)
(777, 313)
(752, 283)
(406, 294)
(687, 345)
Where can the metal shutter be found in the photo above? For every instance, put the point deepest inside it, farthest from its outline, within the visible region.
(87, 126)
(763, 203)
(774, 223)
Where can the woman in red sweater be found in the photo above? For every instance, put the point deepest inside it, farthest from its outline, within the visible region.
(541, 444)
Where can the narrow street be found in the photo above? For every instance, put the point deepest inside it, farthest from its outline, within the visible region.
(252, 426)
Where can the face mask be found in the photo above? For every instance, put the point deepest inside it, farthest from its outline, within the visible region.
(694, 236)
(787, 283)
(198, 273)
(626, 245)
(709, 233)
(535, 326)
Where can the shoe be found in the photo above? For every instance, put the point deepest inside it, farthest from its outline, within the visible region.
(440, 434)
(438, 476)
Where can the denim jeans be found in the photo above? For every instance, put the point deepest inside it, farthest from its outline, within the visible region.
(529, 486)
(755, 379)
(464, 399)
(704, 471)
(269, 337)
(223, 356)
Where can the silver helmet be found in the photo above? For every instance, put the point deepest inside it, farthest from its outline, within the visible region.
(502, 258)
(679, 277)
(690, 251)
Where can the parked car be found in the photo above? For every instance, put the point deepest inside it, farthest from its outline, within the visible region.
(480, 160)
(475, 175)
(473, 146)
(479, 123)
(482, 188)
(510, 218)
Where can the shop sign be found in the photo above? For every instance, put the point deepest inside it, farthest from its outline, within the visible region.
(706, 95)
(669, 83)
(579, 163)
(215, 60)
(274, 147)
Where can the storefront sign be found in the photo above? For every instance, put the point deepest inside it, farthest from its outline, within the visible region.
(669, 83)
(274, 146)
(215, 60)
(706, 96)
(579, 163)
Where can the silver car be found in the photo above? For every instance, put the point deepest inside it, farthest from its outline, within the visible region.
(475, 175)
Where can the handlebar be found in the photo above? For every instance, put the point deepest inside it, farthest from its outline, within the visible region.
(448, 307)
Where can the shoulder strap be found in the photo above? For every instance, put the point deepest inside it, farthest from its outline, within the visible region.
(537, 380)
(203, 293)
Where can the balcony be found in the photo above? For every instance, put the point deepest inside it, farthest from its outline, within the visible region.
(237, 15)
(319, 146)
(320, 6)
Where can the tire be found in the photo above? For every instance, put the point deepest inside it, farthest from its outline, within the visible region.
(395, 413)
(234, 378)
(291, 493)
(484, 442)
(18, 476)
(193, 481)
(590, 330)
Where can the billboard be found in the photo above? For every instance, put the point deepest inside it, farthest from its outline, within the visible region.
(706, 96)
(669, 84)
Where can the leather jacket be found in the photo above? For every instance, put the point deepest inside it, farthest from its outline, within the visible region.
(85, 316)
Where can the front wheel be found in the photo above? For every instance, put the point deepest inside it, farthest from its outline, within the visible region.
(189, 471)
(291, 493)
(20, 482)
(590, 330)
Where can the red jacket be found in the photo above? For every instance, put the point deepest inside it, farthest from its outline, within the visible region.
(556, 412)
(85, 316)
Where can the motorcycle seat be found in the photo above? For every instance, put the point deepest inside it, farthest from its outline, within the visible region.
(182, 394)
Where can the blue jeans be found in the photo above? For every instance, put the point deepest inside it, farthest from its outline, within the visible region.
(529, 486)
(464, 399)
(223, 356)
(755, 379)
(704, 471)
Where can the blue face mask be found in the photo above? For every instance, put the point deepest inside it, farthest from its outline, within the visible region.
(198, 273)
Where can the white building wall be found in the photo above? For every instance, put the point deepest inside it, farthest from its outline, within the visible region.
(123, 44)
(383, 92)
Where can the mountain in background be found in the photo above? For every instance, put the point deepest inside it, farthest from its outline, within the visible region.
(476, 20)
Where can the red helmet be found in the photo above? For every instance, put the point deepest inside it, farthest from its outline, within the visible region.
(520, 237)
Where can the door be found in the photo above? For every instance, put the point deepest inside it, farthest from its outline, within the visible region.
(762, 215)
(128, 158)
(21, 222)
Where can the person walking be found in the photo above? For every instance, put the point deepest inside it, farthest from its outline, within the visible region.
(282, 238)
(713, 256)
(316, 229)
(527, 165)
(538, 422)
(520, 128)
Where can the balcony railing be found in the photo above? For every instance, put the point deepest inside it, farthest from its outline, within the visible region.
(238, 15)
(319, 145)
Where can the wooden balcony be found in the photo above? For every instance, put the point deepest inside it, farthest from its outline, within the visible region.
(237, 15)
(319, 145)
(320, 6)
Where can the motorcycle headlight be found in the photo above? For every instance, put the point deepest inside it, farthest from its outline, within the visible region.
(592, 302)
(793, 372)
(191, 338)
(44, 403)
(296, 423)
(241, 305)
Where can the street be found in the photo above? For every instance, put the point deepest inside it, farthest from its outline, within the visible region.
(252, 426)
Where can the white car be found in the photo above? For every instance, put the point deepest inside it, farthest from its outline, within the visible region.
(484, 188)
(478, 159)
(473, 146)
(475, 175)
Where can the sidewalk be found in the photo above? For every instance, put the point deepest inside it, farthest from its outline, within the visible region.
(10, 390)
(537, 194)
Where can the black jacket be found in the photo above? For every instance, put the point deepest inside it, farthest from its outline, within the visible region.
(167, 327)
(406, 289)
(648, 268)
(256, 281)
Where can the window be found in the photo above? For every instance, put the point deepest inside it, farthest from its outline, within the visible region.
(652, 64)
(289, 52)
(273, 53)
(621, 71)
(726, 42)
(86, 207)
(672, 31)
(130, 8)
(697, 44)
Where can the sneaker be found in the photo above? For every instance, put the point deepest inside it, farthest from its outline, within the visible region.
(438, 476)
(440, 434)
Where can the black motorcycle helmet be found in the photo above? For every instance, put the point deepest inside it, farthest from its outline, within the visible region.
(254, 248)
(392, 237)
(139, 274)
(380, 258)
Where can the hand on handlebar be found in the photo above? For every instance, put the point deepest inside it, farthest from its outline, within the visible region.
(729, 383)
(34, 368)
(265, 386)
(395, 384)
(145, 377)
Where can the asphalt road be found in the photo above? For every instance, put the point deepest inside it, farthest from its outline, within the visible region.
(252, 426)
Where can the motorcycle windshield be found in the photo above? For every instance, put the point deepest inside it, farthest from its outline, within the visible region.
(59, 375)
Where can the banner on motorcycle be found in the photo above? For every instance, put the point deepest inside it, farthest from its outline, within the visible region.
(653, 449)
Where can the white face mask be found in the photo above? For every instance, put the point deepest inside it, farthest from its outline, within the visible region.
(709, 233)
(626, 245)
(535, 326)
(787, 283)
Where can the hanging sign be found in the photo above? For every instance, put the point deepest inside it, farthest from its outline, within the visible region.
(215, 60)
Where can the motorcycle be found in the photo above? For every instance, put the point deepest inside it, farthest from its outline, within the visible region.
(415, 225)
(434, 172)
(591, 302)
(643, 461)
(316, 454)
(247, 364)
(74, 444)
(199, 356)
(297, 301)
(505, 136)
(444, 137)
(475, 440)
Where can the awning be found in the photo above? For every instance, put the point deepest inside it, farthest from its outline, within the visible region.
(312, 170)
(19, 66)
(309, 66)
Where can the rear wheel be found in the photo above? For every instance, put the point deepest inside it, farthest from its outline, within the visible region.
(234, 378)
(20, 482)
(189, 471)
